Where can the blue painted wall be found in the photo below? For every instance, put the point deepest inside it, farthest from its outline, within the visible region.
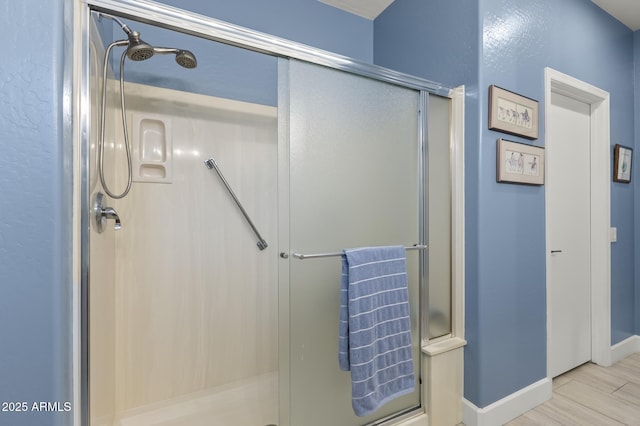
(305, 21)
(35, 238)
(440, 41)
(506, 295)
(519, 41)
(229, 72)
(505, 315)
(636, 171)
(223, 71)
(36, 182)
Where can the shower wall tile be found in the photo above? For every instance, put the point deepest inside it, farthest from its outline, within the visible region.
(196, 298)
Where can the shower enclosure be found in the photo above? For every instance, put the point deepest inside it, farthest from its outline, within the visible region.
(187, 321)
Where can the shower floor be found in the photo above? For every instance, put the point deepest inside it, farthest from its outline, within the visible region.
(248, 403)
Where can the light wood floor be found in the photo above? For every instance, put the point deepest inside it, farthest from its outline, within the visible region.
(591, 395)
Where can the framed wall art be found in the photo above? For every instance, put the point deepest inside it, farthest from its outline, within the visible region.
(622, 158)
(519, 163)
(512, 113)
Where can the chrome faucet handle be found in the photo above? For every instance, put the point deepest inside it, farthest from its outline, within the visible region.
(110, 213)
(101, 214)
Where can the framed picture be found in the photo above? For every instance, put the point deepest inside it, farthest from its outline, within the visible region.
(622, 158)
(519, 163)
(512, 113)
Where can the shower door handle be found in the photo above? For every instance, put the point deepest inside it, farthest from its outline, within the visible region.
(102, 213)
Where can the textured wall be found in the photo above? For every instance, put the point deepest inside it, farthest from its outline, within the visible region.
(505, 322)
(35, 186)
(305, 21)
(518, 42)
(636, 171)
(440, 41)
(234, 73)
(505, 247)
(35, 284)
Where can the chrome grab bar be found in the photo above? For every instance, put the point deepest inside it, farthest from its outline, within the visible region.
(316, 255)
(211, 164)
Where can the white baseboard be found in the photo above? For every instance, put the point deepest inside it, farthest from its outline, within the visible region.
(509, 407)
(512, 406)
(621, 350)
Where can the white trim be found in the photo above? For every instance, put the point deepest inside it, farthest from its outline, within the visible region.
(443, 382)
(443, 346)
(457, 211)
(627, 347)
(509, 407)
(558, 82)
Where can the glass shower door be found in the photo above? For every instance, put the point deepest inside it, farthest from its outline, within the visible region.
(353, 153)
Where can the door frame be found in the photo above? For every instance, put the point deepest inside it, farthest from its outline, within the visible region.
(600, 152)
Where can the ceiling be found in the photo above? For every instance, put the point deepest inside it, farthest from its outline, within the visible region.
(369, 9)
(625, 11)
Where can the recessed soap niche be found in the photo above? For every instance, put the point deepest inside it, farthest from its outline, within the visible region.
(152, 148)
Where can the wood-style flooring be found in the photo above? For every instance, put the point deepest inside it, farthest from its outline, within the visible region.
(591, 395)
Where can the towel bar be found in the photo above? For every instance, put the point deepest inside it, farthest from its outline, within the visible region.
(316, 255)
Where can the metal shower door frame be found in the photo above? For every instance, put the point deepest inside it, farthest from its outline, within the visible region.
(175, 19)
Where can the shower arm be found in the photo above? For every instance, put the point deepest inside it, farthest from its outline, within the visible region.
(211, 164)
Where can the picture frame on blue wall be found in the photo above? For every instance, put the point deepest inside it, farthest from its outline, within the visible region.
(622, 162)
(512, 113)
(519, 163)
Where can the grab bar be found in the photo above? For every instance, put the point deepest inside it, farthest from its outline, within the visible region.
(313, 256)
(211, 164)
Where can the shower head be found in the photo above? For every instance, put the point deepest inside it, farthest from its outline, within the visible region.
(138, 50)
(186, 59)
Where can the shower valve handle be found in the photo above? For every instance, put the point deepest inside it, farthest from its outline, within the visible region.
(110, 213)
(101, 214)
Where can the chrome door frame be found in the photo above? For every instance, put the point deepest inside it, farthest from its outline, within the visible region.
(168, 17)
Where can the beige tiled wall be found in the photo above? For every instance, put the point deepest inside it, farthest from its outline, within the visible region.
(194, 299)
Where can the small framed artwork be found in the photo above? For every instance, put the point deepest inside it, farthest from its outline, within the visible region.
(622, 157)
(519, 163)
(512, 113)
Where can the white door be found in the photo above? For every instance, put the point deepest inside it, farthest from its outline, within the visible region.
(568, 222)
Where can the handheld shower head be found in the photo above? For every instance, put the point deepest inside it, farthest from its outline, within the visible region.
(138, 50)
(186, 59)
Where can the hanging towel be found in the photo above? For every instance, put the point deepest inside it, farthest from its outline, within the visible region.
(375, 329)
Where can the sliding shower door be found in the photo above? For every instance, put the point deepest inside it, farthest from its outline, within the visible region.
(351, 157)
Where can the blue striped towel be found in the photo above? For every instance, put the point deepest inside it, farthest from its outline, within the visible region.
(375, 329)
